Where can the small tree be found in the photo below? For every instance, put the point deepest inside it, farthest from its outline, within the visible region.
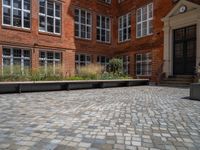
(116, 66)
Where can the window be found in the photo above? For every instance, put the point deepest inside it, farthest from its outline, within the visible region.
(50, 62)
(16, 13)
(120, 1)
(16, 61)
(143, 64)
(103, 29)
(106, 1)
(83, 24)
(103, 60)
(126, 64)
(50, 16)
(145, 20)
(82, 60)
(124, 28)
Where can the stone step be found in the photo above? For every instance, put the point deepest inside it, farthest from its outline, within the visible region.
(178, 79)
(182, 76)
(175, 85)
(175, 82)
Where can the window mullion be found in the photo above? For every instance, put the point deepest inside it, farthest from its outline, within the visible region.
(148, 19)
(11, 9)
(86, 25)
(22, 13)
(54, 68)
(11, 61)
(22, 61)
(54, 18)
(100, 34)
(46, 16)
(79, 23)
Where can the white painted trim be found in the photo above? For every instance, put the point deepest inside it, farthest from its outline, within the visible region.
(191, 17)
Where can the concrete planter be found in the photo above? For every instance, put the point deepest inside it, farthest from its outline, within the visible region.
(41, 86)
(195, 91)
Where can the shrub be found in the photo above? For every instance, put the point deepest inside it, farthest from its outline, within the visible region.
(91, 71)
(112, 76)
(116, 66)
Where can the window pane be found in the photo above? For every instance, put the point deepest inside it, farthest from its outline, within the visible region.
(17, 17)
(17, 52)
(26, 53)
(144, 28)
(26, 20)
(49, 24)
(27, 4)
(49, 55)
(58, 9)
(7, 2)
(17, 3)
(6, 52)
(82, 57)
(83, 17)
(42, 6)
(42, 54)
(42, 23)
(77, 15)
(6, 15)
(57, 26)
(49, 8)
(57, 55)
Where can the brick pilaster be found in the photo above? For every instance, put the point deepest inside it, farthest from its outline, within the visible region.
(132, 64)
(1, 53)
(35, 59)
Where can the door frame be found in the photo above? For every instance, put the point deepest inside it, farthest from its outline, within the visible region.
(174, 20)
(184, 48)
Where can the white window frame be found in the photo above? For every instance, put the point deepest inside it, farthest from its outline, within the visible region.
(11, 7)
(54, 17)
(148, 62)
(100, 28)
(121, 27)
(45, 59)
(12, 57)
(149, 18)
(79, 23)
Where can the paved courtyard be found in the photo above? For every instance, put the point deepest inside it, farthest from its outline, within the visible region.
(129, 118)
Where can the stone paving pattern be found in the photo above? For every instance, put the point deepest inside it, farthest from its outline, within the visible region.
(131, 118)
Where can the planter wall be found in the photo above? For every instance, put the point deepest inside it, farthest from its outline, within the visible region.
(195, 91)
(18, 87)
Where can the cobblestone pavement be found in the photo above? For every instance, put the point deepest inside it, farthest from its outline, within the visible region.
(129, 118)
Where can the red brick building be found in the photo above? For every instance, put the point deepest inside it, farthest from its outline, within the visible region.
(152, 36)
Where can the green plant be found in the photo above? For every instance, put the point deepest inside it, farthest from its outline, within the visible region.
(116, 66)
(90, 72)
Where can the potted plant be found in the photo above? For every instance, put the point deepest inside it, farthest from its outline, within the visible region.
(195, 87)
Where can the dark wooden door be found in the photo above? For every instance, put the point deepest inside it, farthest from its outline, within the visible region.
(184, 60)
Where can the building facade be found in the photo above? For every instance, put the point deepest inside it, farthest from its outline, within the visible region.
(151, 36)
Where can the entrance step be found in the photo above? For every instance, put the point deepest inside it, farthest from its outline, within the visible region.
(177, 81)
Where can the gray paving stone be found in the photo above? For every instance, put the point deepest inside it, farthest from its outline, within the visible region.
(131, 118)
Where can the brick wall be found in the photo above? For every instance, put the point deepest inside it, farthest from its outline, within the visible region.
(70, 45)
(0, 59)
